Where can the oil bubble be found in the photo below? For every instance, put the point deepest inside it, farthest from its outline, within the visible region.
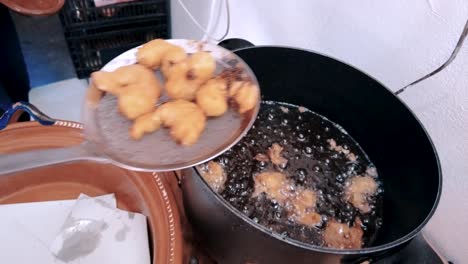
(278, 215)
(300, 137)
(301, 171)
(283, 165)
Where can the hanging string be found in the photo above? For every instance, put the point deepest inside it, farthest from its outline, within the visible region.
(443, 66)
(206, 31)
(209, 26)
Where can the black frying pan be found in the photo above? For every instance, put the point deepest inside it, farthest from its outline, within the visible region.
(383, 125)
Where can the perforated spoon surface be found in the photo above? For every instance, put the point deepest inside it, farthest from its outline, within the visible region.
(107, 132)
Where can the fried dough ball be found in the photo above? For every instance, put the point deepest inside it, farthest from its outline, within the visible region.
(179, 84)
(152, 53)
(136, 87)
(372, 171)
(284, 109)
(341, 236)
(274, 152)
(305, 199)
(202, 66)
(261, 157)
(309, 218)
(185, 78)
(212, 97)
(340, 149)
(300, 205)
(274, 184)
(185, 120)
(245, 95)
(303, 205)
(214, 175)
(173, 57)
(147, 123)
(357, 191)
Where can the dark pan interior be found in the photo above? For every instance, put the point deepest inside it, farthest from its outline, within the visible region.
(385, 128)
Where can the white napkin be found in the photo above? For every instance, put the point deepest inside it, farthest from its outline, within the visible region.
(96, 232)
(43, 220)
(86, 231)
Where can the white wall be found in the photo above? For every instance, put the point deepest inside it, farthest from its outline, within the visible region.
(396, 41)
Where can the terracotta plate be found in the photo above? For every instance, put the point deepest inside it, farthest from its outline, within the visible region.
(146, 193)
(34, 7)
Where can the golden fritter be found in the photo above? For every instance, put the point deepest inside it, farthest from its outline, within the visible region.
(305, 199)
(212, 97)
(245, 95)
(262, 157)
(274, 184)
(184, 78)
(214, 175)
(357, 191)
(147, 123)
(185, 120)
(202, 66)
(303, 205)
(179, 84)
(341, 236)
(274, 152)
(151, 54)
(136, 87)
(172, 58)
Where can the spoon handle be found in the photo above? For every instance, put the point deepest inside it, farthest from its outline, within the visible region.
(16, 162)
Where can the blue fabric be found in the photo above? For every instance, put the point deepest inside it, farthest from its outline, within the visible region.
(28, 108)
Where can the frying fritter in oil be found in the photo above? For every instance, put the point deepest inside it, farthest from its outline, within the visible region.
(136, 87)
(357, 191)
(212, 97)
(274, 184)
(262, 157)
(340, 149)
(274, 152)
(303, 205)
(274, 155)
(185, 119)
(372, 171)
(300, 203)
(308, 218)
(341, 236)
(214, 175)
